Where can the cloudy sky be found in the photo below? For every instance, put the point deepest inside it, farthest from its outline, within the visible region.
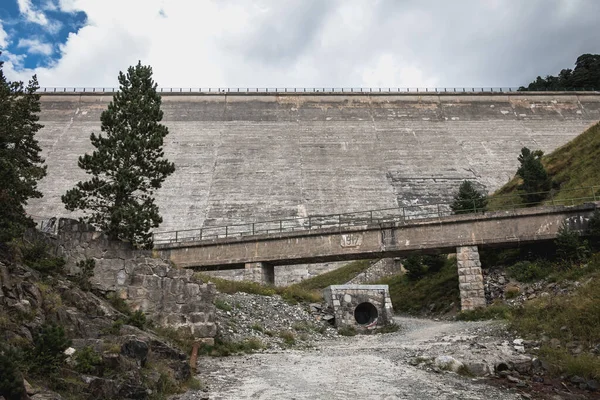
(297, 43)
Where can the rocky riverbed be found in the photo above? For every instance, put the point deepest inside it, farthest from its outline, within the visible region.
(425, 359)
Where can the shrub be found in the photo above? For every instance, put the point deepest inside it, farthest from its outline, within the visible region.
(527, 271)
(37, 256)
(87, 360)
(222, 305)
(49, 344)
(468, 199)
(536, 180)
(118, 303)
(137, 319)
(415, 269)
(494, 311)
(86, 268)
(288, 337)
(569, 247)
(347, 330)
(11, 379)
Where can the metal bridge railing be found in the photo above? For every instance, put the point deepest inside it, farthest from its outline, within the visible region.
(299, 90)
(341, 220)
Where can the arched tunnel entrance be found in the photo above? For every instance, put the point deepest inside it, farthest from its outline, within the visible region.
(365, 313)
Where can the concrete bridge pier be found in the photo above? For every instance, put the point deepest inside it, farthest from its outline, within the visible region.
(259, 272)
(470, 278)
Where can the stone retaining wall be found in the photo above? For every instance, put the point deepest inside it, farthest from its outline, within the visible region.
(169, 296)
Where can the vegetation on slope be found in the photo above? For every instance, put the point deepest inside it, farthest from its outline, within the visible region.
(436, 292)
(309, 290)
(573, 169)
(336, 277)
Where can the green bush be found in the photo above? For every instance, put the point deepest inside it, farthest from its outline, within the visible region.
(222, 305)
(536, 181)
(11, 379)
(468, 200)
(494, 311)
(288, 337)
(49, 344)
(569, 246)
(87, 360)
(223, 348)
(137, 319)
(37, 256)
(119, 304)
(415, 269)
(527, 271)
(86, 268)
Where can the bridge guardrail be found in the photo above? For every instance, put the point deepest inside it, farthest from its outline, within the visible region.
(303, 90)
(385, 215)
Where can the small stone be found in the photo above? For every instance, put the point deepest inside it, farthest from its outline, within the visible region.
(592, 385)
(512, 379)
(70, 351)
(577, 379)
(518, 342)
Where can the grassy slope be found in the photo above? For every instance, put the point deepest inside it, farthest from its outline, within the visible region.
(336, 277)
(308, 290)
(572, 166)
(413, 297)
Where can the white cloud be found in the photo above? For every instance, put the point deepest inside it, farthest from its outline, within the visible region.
(35, 46)
(3, 37)
(230, 43)
(31, 14)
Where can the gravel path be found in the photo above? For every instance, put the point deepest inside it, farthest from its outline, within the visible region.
(365, 367)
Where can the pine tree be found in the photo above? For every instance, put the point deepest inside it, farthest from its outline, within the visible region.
(21, 166)
(468, 199)
(128, 165)
(536, 182)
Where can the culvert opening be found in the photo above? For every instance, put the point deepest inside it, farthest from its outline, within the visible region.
(365, 313)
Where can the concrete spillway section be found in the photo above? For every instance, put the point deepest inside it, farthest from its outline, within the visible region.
(243, 158)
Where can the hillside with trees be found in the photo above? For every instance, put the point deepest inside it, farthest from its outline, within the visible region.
(585, 76)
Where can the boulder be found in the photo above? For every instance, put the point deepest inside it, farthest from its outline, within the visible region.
(100, 389)
(136, 349)
(448, 363)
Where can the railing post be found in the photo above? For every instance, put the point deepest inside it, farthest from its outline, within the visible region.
(371, 216)
(403, 214)
(439, 212)
(280, 225)
(226, 230)
(176, 232)
(309, 223)
(552, 198)
(253, 229)
(200, 233)
(474, 206)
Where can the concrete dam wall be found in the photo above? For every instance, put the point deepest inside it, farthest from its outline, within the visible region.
(251, 157)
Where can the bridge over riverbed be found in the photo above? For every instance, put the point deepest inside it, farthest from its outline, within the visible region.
(259, 253)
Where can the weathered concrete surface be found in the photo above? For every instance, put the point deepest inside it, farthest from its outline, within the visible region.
(257, 157)
(499, 228)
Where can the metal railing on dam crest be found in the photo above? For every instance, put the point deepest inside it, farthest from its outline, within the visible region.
(311, 90)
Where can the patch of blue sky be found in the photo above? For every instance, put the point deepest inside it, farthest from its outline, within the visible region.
(36, 29)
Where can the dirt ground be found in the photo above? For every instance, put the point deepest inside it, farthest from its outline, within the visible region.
(387, 366)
